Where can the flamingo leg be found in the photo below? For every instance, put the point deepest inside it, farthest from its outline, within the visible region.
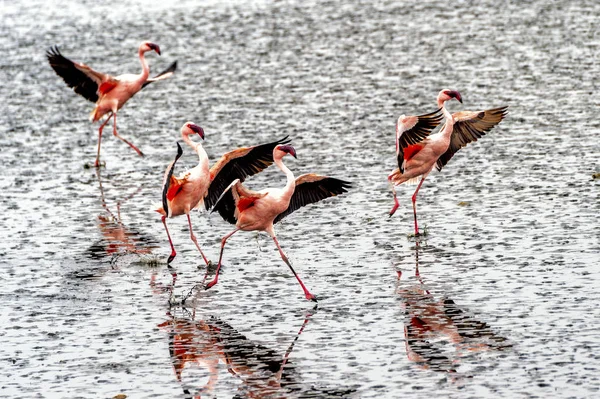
(414, 202)
(97, 163)
(223, 241)
(307, 294)
(193, 237)
(396, 203)
(173, 253)
(121, 138)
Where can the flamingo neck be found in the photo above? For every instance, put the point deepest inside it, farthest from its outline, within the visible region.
(449, 125)
(290, 185)
(145, 68)
(202, 155)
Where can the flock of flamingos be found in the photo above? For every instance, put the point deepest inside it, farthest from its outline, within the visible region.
(219, 188)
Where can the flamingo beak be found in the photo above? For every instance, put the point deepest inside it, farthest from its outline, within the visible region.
(455, 94)
(154, 47)
(197, 129)
(289, 150)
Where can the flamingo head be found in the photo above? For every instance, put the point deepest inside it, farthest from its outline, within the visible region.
(446, 95)
(190, 128)
(149, 46)
(282, 150)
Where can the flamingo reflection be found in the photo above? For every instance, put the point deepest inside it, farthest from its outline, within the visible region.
(262, 371)
(438, 333)
(117, 238)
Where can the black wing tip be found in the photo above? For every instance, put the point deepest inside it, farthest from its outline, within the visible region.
(344, 184)
(179, 151)
(503, 110)
(172, 68)
(437, 114)
(432, 119)
(53, 52)
(338, 186)
(285, 140)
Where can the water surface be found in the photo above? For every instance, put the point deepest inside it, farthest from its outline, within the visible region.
(505, 301)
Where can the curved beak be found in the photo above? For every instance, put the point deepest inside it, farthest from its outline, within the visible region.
(289, 149)
(197, 129)
(154, 47)
(455, 94)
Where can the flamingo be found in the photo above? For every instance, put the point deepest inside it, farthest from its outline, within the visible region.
(418, 151)
(109, 93)
(202, 186)
(259, 211)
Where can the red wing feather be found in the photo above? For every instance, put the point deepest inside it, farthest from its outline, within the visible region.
(245, 203)
(411, 151)
(175, 186)
(106, 87)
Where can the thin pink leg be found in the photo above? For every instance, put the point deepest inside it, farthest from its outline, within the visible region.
(121, 138)
(97, 163)
(173, 253)
(216, 279)
(414, 202)
(396, 203)
(308, 295)
(193, 237)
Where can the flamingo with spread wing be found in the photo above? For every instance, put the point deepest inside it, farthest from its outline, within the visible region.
(201, 186)
(109, 93)
(418, 151)
(260, 210)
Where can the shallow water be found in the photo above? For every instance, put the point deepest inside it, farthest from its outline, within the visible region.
(507, 273)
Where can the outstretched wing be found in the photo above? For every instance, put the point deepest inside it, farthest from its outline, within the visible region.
(239, 164)
(468, 127)
(167, 73)
(311, 188)
(170, 183)
(83, 79)
(235, 198)
(411, 130)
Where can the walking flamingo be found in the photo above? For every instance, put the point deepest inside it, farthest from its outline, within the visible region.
(259, 211)
(108, 92)
(418, 151)
(202, 186)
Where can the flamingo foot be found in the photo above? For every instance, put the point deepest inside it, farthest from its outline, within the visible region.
(310, 297)
(171, 257)
(212, 283)
(394, 208)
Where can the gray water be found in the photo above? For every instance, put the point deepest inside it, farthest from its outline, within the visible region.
(509, 265)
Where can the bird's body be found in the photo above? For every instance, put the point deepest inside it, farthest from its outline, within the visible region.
(260, 210)
(108, 92)
(188, 190)
(418, 151)
(200, 186)
(115, 92)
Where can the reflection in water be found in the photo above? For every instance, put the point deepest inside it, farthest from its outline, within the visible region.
(117, 238)
(263, 372)
(438, 332)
